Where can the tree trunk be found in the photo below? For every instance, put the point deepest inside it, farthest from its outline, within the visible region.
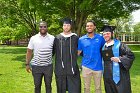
(80, 21)
(16, 42)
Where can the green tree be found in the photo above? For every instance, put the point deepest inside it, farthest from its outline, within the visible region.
(29, 12)
(20, 33)
(137, 31)
(137, 27)
(25, 12)
(6, 35)
(123, 24)
(80, 10)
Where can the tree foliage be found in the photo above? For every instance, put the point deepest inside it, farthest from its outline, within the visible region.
(122, 24)
(99, 10)
(6, 34)
(29, 12)
(137, 27)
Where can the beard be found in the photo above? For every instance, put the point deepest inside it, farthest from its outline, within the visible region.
(43, 32)
(67, 30)
(109, 39)
(89, 32)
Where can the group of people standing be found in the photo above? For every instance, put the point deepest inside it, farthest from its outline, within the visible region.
(66, 47)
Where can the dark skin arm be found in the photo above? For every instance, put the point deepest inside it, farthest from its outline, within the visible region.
(28, 59)
(79, 52)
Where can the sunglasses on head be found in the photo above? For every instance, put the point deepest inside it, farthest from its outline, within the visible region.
(42, 26)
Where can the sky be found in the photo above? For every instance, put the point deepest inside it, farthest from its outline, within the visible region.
(136, 16)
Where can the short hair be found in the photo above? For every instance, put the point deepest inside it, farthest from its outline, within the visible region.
(42, 22)
(92, 21)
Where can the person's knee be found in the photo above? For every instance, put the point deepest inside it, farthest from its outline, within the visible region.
(87, 86)
(86, 90)
(98, 88)
(48, 86)
(98, 91)
(37, 85)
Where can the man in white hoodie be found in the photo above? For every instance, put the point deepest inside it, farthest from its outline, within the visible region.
(66, 68)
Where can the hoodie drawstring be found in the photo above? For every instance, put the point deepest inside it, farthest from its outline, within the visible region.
(61, 54)
(70, 55)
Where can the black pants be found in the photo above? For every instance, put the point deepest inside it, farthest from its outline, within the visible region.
(38, 72)
(70, 83)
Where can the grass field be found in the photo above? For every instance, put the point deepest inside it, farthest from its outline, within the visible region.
(134, 47)
(14, 78)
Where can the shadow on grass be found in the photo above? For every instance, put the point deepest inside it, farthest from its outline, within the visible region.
(1, 74)
(11, 50)
(23, 66)
(21, 58)
(134, 47)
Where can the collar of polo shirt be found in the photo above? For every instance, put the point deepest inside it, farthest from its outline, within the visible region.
(47, 34)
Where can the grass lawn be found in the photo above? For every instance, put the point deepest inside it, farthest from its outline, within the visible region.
(15, 79)
(134, 47)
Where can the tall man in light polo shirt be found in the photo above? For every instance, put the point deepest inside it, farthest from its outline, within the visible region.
(41, 46)
(90, 45)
